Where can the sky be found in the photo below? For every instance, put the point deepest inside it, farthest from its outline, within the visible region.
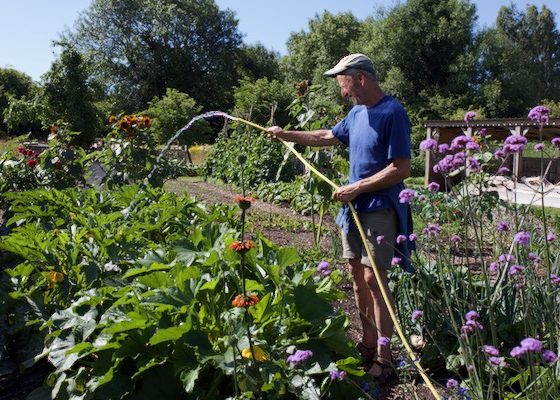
(28, 27)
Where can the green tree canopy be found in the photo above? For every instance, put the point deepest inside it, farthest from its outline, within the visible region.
(143, 47)
(68, 95)
(421, 47)
(256, 62)
(173, 111)
(311, 53)
(519, 64)
(14, 85)
(256, 100)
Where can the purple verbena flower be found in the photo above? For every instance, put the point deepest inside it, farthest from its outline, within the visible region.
(551, 237)
(514, 144)
(452, 383)
(469, 116)
(539, 147)
(539, 114)
(503, 170)
(433, 187)
(412, 237)
(554, 279)
(549, 356)
(474, 165)
(498, 362)
(432, 229)
(459, 142)
(472, 315)
(406, 195)
(517, 351)
(534, 257)
(531, 344)
(379, 239)
(556, 142)
(455, 239)
(522, 238)
(417, 314)
(491, 350)
(503, 226)
(299, 356)
(400, 239)
(506, 257)
(337, 375)
(324, 268)
(494, 268)
(396, 260)
(443, 148)
(472, 145)
(428, 144)
(383, 341)
(515, 269)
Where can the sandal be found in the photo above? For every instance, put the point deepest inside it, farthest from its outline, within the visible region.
(367, 353)
(382, 370)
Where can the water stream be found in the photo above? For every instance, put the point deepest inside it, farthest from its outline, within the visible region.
(210, 114)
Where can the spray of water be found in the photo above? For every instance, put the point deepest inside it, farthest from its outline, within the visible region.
(210, 114)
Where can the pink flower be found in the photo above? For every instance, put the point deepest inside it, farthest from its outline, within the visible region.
(412, 237)
(452, 384)
(396, 260)
(551, 237)
(379, 239)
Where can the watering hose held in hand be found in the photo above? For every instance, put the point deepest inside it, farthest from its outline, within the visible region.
(398, 328)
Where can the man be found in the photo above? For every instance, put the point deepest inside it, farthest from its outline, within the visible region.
(377, 132)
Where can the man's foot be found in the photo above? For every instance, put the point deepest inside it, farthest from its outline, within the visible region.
(382, 370)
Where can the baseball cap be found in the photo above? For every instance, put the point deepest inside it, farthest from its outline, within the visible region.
(356, 61)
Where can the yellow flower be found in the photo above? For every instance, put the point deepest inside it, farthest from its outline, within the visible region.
(260, 354)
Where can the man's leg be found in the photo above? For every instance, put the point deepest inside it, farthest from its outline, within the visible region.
(364, 303)
(382, 318)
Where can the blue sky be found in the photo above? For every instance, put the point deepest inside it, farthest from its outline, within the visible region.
(28, 27)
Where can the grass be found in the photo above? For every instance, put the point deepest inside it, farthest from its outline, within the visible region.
(10, 144)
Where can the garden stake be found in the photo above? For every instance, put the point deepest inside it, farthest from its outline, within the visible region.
(411, 354)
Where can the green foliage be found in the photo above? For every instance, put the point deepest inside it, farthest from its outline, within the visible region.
(68, 95)
(171, 113)
(311, 53)
(264, 157)
(14, 86)
(128, 154)
(521, 46)
(140, 306)
(426, 54)
(260, 98)
(142, 47)
(257, 62)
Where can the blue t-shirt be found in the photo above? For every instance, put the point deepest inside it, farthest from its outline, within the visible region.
(375, 136)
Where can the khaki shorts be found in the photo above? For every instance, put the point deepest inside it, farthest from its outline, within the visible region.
(382, 222)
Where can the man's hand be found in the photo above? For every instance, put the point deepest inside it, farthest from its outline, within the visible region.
(346, 193)
(275, 132)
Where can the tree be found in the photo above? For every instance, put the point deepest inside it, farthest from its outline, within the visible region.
(143, 47)
(173, 111)
(311, 53)
(420, 48)
(256, 100)
(519, 64)
(256, 62)
(14, 85)
(68, 95)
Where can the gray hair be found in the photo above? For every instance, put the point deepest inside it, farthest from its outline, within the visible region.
(355, 71)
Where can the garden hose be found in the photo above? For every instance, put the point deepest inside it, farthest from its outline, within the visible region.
(398, 328)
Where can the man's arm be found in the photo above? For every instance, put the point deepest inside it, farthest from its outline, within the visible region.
(395, 172)
(318, 138)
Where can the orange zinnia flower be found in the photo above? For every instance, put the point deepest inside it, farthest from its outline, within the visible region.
(242, 247)
(244, 301)
(53, 278)
(124, 124)
(244, 202)
(147, 121)
(112, 119)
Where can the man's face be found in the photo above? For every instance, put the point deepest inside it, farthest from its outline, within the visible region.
(351, 88)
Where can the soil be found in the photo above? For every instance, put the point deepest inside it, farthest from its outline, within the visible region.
(17, 385)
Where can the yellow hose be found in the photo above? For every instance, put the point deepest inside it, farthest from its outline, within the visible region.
(398, 328)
